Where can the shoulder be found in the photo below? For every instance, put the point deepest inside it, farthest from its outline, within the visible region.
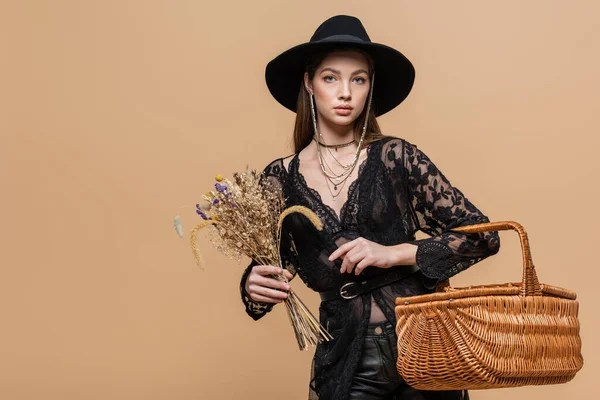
(396, 148)
(395, 141)
(277, 166)
(392, 148)
(392, 142)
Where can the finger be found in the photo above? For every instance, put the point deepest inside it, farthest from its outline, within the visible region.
(350, 260)
(288, 274)
(364, 263)
(267, 270)
(270, 283)
(263, 299)
(271, 293)
(343, 249)
(346, 264)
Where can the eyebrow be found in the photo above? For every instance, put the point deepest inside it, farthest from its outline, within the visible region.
(335, 71)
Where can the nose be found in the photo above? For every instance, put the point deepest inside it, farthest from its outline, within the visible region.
(345, 92)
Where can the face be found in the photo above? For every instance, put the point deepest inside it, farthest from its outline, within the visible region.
(340, 86)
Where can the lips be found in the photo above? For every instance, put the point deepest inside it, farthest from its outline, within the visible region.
(343, 108)
(343, 111)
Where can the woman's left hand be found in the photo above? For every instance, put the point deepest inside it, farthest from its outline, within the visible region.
(361, 253)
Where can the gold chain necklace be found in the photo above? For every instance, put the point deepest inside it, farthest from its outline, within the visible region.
(345, 167)
(335, 179)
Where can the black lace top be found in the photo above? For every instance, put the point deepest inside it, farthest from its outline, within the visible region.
(397, 192)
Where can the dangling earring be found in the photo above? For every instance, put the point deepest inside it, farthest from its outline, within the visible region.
(313, 113)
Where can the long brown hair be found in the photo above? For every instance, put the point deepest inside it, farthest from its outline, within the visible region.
(303, 128)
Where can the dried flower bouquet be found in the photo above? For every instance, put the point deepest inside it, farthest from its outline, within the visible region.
(247, 216)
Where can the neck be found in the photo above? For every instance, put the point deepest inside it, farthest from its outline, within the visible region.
(335, 134)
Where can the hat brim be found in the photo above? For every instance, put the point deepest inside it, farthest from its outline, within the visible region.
(394, 73)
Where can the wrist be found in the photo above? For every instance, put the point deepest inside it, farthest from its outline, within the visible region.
(404, 254)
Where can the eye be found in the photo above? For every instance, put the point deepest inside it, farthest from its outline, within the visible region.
(326, 78)
(361, 80)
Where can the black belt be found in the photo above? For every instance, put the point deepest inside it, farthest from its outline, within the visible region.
(350, 290)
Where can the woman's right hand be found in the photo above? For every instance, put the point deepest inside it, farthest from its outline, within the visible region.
(262, 288)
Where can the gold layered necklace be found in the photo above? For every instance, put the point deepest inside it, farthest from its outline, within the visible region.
(335, 180)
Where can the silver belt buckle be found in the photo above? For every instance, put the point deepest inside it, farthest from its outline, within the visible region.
(343, 292)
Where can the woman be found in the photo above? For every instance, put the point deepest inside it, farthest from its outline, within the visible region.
(372, 192)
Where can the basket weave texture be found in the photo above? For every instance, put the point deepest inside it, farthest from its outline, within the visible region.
(490, 336)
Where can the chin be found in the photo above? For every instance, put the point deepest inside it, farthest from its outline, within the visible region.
(344, 122)
(343, 119)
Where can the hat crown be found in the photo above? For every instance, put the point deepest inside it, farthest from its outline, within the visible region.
(340, 25)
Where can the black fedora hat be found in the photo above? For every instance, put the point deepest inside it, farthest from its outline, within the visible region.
(394, 73)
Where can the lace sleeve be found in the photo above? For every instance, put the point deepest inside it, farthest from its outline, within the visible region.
(436, 206)
(274, 173)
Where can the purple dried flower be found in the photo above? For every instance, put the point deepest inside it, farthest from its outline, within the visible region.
(215, 201)
(220, 188)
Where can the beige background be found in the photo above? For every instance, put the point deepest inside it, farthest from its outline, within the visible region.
(115, 114)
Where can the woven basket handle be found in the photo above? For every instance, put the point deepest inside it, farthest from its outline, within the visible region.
(530, 284)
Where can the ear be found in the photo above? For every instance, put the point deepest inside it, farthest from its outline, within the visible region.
(307, 83)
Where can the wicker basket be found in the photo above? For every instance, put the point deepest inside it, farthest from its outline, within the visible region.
(491, 336)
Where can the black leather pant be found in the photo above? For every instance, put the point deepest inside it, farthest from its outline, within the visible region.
(376, 376)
